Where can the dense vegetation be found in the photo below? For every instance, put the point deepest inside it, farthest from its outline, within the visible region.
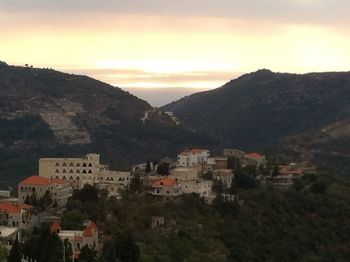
(307, 222)
(304, 114)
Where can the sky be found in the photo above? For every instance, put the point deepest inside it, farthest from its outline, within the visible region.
(175, 46)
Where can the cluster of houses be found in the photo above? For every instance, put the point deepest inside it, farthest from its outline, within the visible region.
(188, 174)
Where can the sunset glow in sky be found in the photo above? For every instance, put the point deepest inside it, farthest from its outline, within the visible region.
(176, 43)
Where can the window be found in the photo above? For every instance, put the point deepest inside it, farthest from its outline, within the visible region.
(78, 164)
(84, 171)
(90, 165)
(64, 178)
(70, 178)
(78, 171)
(84, 165)
(57, 164)
(64, 171)
(71, 164)
(90, 172)
(64, 164)
(71, 171)
(57, 171)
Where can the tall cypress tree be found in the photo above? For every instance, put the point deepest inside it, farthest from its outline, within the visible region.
(15, 252)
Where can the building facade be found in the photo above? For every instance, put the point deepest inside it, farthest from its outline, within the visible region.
(193, 157)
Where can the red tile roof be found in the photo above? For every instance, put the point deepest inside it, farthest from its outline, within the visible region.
(92, 226)
(87, 233)
(36, 180)
(256, 156)
(10, 208)
(25, 206)
(166, 182)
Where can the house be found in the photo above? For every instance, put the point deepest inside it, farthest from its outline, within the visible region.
(14, 215)
(231, 152)
(166, 189)
(225, 176)
(254, 159)
(287, 174)
(216, 163)
(191, 157)
(148, 181)
(37, 186)
(79, 238)
(199, 186)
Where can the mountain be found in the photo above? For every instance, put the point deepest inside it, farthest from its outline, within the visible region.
(299, 114)
(46, 113)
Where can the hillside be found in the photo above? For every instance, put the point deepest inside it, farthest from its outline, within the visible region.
(307, 114)
(48, 113)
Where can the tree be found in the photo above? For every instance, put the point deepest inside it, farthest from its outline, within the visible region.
(148, 167)
(4, 253)
(163, 169)
(121, 248)
(68, 250)
(45, 201)
(87, 254)
(319, 187)
(73, 219)
(135, 184)
(275, 172)
(15, 252)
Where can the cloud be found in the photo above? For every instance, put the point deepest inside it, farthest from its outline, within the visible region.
(298, 11)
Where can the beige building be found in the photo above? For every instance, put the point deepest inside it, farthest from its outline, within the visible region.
(199, 186)
(79, 171)
(82, 171)
(60, 190)
(192, 157)
(184, 173)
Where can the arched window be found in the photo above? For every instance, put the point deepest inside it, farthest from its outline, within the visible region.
(70, 178)
(57, 164)
(57, 171)
(90, 165)
(78, 171)
(84, 171)
(71, 164)
(84, 165)
(64, 178)
(78, 164)
(90, 172)
(64, 171)
(71, 171)
(64, 164)
(78, 178)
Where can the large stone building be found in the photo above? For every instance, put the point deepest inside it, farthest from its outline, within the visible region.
(79, 171)
(82, 171)
(193, 157)
(184, 173)
(59, 189)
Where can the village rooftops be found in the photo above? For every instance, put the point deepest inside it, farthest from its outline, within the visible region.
(194, 151)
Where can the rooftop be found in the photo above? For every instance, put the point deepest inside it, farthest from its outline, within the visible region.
(256, 156)
(166, 182)
(36, 180)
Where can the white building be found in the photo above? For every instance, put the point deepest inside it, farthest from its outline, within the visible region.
(193, 157)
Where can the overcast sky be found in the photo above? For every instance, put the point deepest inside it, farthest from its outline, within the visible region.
(176, 43)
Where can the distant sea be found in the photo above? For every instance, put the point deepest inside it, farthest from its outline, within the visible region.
(158, 97)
